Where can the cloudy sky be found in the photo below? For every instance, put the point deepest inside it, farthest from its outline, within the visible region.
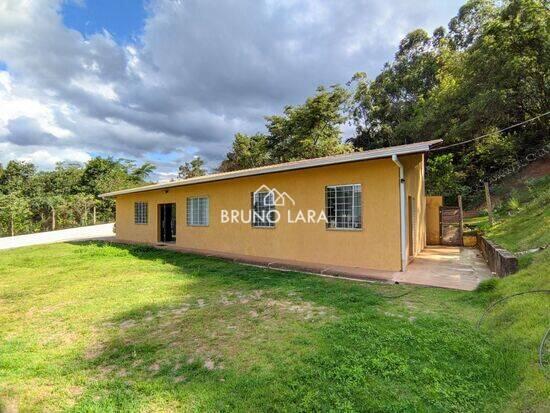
(165, 80)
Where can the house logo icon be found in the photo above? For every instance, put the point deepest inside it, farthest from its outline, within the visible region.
(275, 197)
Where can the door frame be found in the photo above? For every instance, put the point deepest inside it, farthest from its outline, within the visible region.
(411, 226)
(161, 222)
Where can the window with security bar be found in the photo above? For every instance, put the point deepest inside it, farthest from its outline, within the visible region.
(263, 209)
(343, 206)
(140, 213)
(197, 211)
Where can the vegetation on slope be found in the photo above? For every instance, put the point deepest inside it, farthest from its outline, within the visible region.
(523, 223)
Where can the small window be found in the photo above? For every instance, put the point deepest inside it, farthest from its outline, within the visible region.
(197, 211)
(140, 213)
(263, 209)
(343, 206)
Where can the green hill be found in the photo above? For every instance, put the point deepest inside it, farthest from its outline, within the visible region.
(523, 224)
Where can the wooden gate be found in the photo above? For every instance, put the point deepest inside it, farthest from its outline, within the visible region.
(449, 224)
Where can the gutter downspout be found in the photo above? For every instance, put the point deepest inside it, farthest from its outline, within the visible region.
(402, 212)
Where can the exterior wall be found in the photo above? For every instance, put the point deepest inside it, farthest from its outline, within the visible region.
(432, 219)
(414, 187)
(375, 246)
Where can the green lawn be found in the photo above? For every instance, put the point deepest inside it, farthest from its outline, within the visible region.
(99, 327)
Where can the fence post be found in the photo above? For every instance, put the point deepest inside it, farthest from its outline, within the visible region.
(461, 217)
(94, 215)
(53, 219)
(489, 205)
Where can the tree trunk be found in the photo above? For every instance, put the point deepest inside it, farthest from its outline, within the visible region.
(489, 205)
(461, 217)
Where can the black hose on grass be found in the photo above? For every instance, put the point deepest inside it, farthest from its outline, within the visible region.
(394, 296)
(505, 299)
(541, 347)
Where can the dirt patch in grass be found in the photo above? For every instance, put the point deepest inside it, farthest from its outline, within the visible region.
(209, 332)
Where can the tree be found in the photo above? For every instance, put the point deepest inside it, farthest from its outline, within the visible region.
(380, 109)
(192, 169)
(466, 27)
(15, 214)
(247, 152)
(109, 174)
(16, 177)
(305, 131)
(442, 177)
(310, 130)
(66, 196)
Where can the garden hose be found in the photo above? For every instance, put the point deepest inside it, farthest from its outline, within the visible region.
(505, 299)
(541, 349)
(394, 296)
(544, 338)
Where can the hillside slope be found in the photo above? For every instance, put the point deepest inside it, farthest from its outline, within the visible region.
(523, 223)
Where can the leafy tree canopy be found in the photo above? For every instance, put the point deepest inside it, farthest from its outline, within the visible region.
(192, 169)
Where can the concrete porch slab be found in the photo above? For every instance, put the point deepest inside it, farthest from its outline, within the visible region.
(459, 268)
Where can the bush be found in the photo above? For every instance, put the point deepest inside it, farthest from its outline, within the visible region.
(487, 285)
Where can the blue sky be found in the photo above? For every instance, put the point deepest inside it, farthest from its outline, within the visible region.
(123, 19)
(166, 80)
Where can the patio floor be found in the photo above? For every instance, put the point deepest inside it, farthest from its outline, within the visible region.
(460, 268)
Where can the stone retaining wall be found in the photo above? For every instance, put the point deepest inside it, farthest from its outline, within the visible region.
(502, 262)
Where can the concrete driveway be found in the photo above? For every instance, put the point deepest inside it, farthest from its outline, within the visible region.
(73, 234)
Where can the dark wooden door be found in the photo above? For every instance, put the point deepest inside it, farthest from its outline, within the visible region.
(449, 222)
(167, 222)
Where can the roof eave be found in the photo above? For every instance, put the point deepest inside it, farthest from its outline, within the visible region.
(419, 147)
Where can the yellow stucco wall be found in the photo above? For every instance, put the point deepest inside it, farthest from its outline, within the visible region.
(414, 187)
(376, 245)
(432, 219)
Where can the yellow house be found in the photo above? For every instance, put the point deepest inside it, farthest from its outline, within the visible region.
(365, 210)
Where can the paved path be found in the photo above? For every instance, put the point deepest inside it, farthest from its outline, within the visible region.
(63, 235)
(459, 268)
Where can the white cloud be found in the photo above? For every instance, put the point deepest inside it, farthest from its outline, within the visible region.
(201, 71)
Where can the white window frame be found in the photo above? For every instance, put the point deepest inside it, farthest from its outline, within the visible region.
(141, 213)
(334, 225)
(193, 212)
(266, 209)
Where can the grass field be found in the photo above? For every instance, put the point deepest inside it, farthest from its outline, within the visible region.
(105, 328)
(98, 327)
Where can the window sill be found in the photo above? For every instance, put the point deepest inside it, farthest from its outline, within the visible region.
(345, 229)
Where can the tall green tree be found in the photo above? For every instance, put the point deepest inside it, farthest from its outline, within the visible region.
(247, 152)
(192, 169)
(489, 71)
(310, 130)
(16, 177)
(15, 214)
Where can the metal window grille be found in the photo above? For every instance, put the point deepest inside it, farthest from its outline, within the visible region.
(263, 209)
(197, 211)
(343, 206)
(140, 213)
